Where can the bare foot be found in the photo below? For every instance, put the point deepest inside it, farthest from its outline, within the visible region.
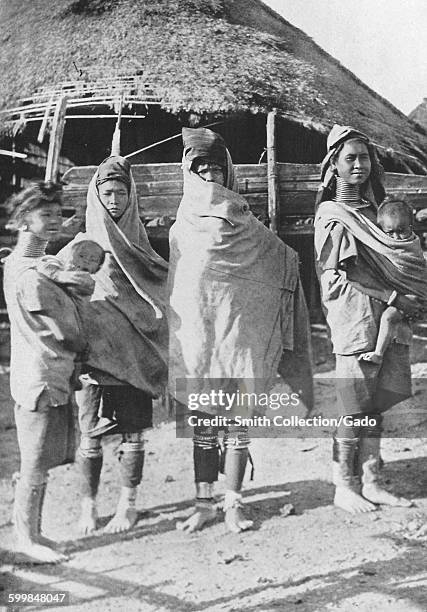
(347, 499)
(235, 520)
(39, 552)
(88, 516)
(202, 514)
(377, 495)
(371, 356)
(123, 520)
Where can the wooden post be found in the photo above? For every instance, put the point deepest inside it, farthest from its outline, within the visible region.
(55, 141)
(43, 125)
(115, 142)
(272, 174)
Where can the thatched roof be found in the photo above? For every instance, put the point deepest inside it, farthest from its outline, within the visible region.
(419, 114)
(202, 56)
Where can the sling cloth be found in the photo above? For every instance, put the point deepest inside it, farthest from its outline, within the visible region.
(398, 264)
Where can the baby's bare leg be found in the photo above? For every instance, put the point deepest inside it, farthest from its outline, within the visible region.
(389, 321)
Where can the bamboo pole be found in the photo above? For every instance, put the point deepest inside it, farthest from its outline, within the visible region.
(272, 175)
(155, 144)
(115, 142)
(43, 126)
(13, 154)
(55, 141)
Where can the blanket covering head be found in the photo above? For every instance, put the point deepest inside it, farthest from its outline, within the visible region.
(205, 144)
(114, 168)
(237, 310)
(339, 134)
(126, 316)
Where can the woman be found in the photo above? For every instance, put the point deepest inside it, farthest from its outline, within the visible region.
(237, 314)
(127, 339)
(46, 335)
(360, 273)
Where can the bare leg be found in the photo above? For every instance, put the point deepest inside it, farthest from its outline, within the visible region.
(347, 491)
(131, 460)
(88, 516)
(89, 462)
(27, 511)
(390, 318)
(235, 519)
(126, 513)
(103, 426)
(204, 509)
(370, 473)
(236, 442)
(206, 467)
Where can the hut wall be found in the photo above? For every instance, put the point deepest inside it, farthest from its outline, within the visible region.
(159, 188)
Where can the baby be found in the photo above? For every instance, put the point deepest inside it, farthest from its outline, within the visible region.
(395, 218)
(83, 259)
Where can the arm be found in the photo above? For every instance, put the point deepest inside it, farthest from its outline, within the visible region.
(53, 268)
(64, 332)
(54, 313)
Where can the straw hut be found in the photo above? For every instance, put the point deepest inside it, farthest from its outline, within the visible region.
(419, 114)
(170, 63)
(183, 62)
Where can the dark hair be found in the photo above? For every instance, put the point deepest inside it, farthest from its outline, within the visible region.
(75, 247)
(327, 192)
(394, 206)
(33, 197)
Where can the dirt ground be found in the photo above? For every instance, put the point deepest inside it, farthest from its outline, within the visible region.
(312, 558)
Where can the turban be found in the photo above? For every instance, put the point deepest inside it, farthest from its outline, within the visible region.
(205, 144)
(114, 168)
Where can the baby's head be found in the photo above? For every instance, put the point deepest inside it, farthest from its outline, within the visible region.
(86, 256)
(395, 218)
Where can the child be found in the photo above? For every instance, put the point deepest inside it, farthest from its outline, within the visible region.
(73, 270)
(395, 218)
(84, 258)
(46, 335)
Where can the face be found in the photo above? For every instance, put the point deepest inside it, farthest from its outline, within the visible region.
(45, 222)
(87, 258)
(114, 196)
(211, 173)
(353, 164)
(396, 226)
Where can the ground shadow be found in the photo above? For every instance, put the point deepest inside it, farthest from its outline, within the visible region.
(302, 495)
(398, 578)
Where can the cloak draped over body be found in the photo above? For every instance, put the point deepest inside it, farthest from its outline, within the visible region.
(126, 317)
(237, 309)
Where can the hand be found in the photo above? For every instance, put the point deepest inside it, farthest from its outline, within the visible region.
(421, 215)
(76, 277)
(81, 282)
(410, 305)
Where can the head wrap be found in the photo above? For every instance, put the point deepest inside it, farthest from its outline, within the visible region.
(205, 144)
(340, 134)
(114, 168)
(201, 143)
